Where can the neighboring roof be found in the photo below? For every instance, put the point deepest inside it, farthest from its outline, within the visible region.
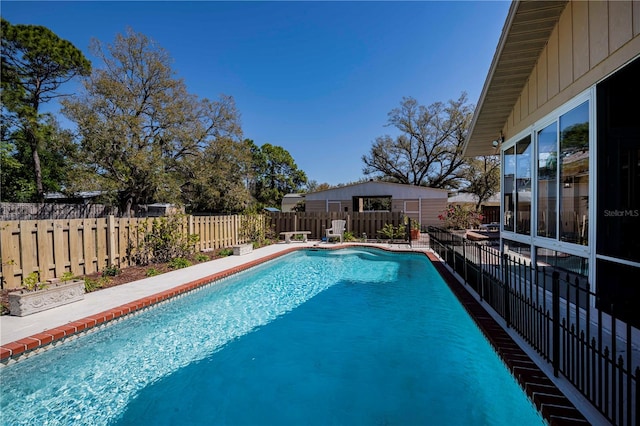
(293, 196)
(80, 194)
(464, 198)
(377, 188)
(271, 209)
(161, 205)
(525, 33)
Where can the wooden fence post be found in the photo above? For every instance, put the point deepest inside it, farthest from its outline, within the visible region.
(9, 253)
(111, 240)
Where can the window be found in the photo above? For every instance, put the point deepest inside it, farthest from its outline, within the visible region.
(372, 204)
(574, 175)
(562, 261)
(509, 173)
(547, 181)
(618, 209)
(562, 178)
(523, 186)
(516, 248)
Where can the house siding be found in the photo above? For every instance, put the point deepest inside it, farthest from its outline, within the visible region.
(424, 204)
(591, 40)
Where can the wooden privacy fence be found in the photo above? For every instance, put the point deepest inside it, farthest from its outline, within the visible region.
(357, 223)
(86, 246)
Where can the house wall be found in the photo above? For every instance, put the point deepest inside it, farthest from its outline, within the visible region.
(426, 210)
(593, 45)
(592, 39)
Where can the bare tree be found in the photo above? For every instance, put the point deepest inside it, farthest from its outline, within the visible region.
(428, 151)
(483, 177)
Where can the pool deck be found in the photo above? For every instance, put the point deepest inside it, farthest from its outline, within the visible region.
(25, 336)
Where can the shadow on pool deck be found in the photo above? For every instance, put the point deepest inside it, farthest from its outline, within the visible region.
(24, 336)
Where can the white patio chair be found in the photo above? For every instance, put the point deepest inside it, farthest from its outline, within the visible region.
(336, 230)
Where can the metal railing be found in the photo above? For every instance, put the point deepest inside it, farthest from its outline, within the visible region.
(560, 316)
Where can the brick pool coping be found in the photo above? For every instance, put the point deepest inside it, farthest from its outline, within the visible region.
(554, 406)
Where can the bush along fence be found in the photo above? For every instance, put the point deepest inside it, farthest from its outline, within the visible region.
(560, 316)
(87, 246)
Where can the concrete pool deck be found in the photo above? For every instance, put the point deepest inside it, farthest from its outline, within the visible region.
(23, 336)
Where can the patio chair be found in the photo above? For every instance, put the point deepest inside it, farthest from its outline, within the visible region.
(336, 230)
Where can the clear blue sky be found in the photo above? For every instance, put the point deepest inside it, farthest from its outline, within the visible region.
(317, 78)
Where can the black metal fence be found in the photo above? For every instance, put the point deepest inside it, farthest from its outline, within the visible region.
(557, 313)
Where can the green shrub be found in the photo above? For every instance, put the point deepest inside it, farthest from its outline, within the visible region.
(152, 272)
(179, 263)
(392, 232)
(225, 252)
(111, 271)
(92, 285)
(32, 282)
(162, 239)
(67, 276)
(202, 257)
(255, 228)
(348, 236)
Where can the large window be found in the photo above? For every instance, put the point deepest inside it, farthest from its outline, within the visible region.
(372, 204)
(574, 175)
(562, 261)
(619, 165)
(618, 189)
(523, 186)
(516, 184)
(547, 181)
(508, 188)
(516, 248)
(562, 185)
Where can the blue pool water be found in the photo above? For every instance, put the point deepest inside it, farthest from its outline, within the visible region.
(352, 336)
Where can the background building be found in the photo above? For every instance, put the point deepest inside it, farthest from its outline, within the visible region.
(418, 202)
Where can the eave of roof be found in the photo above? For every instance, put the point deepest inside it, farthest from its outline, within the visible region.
(525, 33)
(376, 183)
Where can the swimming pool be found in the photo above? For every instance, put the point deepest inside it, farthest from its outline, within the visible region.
(350, 336)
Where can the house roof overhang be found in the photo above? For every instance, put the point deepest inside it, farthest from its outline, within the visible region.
(525, 33)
